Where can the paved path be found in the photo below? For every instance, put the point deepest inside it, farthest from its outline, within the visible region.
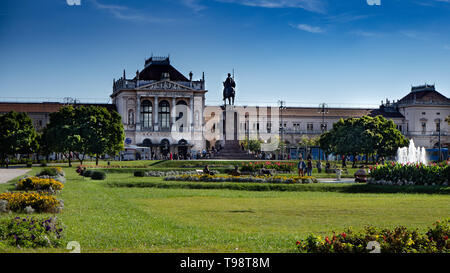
(8, 174)
(333, 180)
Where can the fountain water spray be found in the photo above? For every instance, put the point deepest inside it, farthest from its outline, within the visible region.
(411, 154)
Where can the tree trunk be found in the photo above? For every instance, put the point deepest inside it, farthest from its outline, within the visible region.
(70, 162)
(96, 160)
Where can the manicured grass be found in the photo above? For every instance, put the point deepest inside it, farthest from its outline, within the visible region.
(123, 219)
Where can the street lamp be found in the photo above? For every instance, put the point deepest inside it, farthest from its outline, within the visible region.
(323, 108)
(281, 107)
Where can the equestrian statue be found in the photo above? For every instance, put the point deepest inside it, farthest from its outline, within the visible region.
(228, 90)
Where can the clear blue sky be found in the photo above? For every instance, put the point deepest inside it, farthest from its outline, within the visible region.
(300, 51)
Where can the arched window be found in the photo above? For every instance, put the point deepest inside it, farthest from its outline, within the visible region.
(164, 115)
(146, 114)
(147, 142)
(130, 116)
(165, 146)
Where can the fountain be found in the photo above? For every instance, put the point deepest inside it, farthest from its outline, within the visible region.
(411, 154)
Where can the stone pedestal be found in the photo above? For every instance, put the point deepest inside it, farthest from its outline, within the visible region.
(231, 148)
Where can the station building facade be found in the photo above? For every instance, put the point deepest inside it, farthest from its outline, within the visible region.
(164, 111)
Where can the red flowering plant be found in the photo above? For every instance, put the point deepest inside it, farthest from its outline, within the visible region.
(398, 240)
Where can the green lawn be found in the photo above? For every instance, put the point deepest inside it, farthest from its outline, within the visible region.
(123, 219)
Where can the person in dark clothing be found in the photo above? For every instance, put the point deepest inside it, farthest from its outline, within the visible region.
(309, 167)
(301, 167)
(207, 171)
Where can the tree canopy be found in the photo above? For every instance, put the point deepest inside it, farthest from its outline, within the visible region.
(253, 145)
(365, 135)
(309, 141)
(85, 130)
(17, 134)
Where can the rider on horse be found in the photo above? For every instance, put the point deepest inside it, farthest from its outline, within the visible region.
(228, 90)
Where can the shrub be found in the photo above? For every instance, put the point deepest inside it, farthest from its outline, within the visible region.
(87, 173)
(139, 173)
(48, 171)
(398, 240)
(43, 163)
(29, 163)
(410, 174)
(36, 183)
(51, 171)
(278, 166)
(18, 201)
(32, 232)
(98, 175)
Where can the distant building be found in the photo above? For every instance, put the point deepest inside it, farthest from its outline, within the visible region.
(420, 115)
(39, 112)
(424, 111)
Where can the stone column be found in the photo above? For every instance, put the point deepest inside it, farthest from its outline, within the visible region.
(138, 113)
(155, 114)
(191, 101)
(173, 114)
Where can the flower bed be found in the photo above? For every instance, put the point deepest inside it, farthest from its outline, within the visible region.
(398, 240)
(251, 179)
(39, 184)
(278, 166)
(167, 173)
(55, 173)
(30, 201)
(52, 171)
(410, 174)
(112, 166)
(31, 232)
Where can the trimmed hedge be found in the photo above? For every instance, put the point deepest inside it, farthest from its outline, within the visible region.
(139, 173)
(98, 175)
(242, 179)
(341, 188)
(87, 173)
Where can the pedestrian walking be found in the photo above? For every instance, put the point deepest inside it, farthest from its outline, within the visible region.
(309, 167)
(301, 167)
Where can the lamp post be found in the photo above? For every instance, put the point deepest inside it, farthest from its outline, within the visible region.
(281, 107)
(323, 108)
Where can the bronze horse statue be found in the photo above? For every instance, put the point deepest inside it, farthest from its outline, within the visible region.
(228, 90)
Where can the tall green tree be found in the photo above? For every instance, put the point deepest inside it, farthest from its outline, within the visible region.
(61, 133)
(306, 141)
(85, 131)
(17, 135)
(390, 139)
(253, 145)
(326, 143)
(365, 135)
(102, 132)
